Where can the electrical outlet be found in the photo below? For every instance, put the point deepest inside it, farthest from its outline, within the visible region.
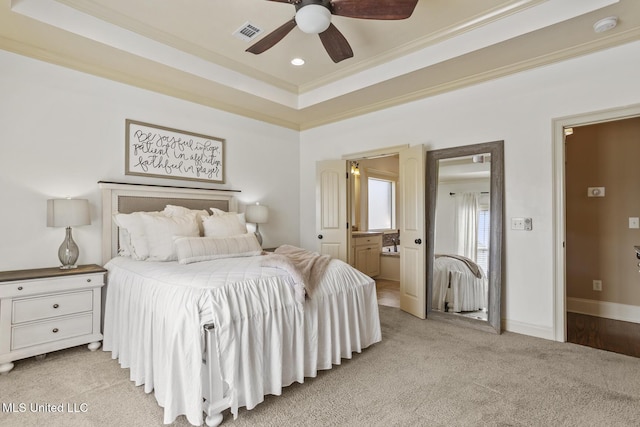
(597, 285)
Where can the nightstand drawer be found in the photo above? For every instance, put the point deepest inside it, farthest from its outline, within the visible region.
(25, 310)
(51, 330)
(48, 286)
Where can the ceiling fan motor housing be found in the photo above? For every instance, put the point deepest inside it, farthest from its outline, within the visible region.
(299, 4)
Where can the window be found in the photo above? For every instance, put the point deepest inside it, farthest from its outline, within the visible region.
(381, 203)
(482, 252)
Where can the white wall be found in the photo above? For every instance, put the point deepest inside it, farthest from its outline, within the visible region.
(62, 131)
(517, 109)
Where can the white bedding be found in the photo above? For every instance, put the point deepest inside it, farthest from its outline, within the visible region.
(155, 311)
(454, 283)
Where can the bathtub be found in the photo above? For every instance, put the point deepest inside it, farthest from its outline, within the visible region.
(389, 264)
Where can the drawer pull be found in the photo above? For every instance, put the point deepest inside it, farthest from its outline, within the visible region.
(19, 288)
(55, 330)
(55, 306)
(88, 280)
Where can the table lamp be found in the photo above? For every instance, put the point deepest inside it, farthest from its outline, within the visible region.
(68, 213)
(257, 214)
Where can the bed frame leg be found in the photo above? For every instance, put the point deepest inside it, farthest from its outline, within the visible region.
(213, 420)
(213, 385)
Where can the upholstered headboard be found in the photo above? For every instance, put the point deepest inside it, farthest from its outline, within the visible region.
(127, 198)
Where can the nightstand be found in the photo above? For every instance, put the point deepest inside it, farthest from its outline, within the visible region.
(48, 309)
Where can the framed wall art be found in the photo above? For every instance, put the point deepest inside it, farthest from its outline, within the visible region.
(162, 152)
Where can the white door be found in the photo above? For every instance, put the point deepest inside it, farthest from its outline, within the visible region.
(411, 216)
(331, 208)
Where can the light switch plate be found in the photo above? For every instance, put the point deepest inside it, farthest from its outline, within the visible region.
(595, 192)
(521, 224)
(634, 222)
(517, 223)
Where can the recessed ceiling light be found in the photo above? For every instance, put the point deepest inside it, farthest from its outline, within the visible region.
(297, 62)
(605, 24)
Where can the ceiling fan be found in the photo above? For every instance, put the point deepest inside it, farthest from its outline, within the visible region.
(314, 17)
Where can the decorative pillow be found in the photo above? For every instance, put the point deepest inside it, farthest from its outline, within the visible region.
(124, 245)
(223, 225)
(173, 210)
(160, 231)
(195, 249)
(132, 235)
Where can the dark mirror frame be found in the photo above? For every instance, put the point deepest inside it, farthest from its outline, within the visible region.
(496, 149)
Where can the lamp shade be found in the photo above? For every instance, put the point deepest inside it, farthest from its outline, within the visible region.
(257, 214)
(67, 212)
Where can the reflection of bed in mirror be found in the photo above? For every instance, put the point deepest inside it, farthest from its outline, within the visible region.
(459, 284)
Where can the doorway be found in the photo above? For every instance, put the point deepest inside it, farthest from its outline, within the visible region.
(331, 217)
(598, 297)
(374, 234)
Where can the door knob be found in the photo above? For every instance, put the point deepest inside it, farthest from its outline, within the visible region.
(418, 241)
(320, 236)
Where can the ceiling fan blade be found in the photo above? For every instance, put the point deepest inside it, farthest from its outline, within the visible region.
(336, 44)
(272, 38)
(374, 9)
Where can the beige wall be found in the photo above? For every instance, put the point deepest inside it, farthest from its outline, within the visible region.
(599, 240)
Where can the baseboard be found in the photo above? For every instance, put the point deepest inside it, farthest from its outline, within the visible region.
(609, 310)
(528, 329)
(385, 277)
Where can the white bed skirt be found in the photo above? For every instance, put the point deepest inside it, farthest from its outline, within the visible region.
(154, 328)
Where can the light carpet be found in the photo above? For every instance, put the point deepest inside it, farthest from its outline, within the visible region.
(424, 372)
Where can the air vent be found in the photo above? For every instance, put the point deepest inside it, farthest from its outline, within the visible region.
(247, 32)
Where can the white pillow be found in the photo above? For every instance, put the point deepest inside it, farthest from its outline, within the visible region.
(160, 231)
(218, 212)
(132, 234)
(223, 226)
(195, 249)
(173, 210)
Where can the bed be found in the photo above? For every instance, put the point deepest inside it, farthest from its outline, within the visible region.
(459, 284)
(221, 332)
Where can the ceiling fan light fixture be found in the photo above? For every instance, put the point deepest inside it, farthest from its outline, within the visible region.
(313, 18)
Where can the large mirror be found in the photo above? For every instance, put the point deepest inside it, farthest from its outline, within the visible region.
(464, 234)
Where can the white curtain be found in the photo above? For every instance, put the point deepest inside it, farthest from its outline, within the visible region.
(466, 230)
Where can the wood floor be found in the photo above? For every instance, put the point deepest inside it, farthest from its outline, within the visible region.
(605, 334)
(388, 292)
